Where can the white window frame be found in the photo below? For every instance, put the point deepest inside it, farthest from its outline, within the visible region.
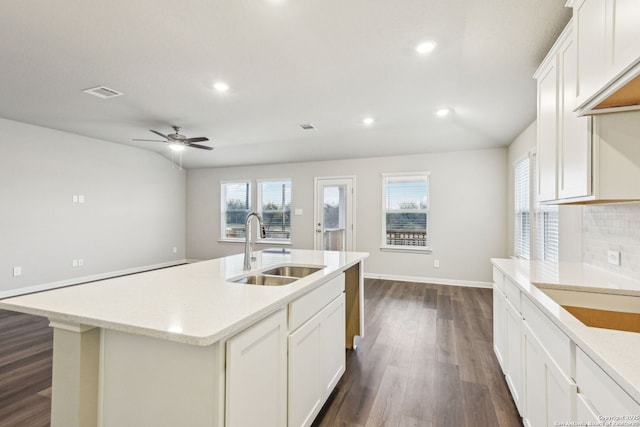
(223, 208)
(406, 248)
(545, 229)
(259, 183)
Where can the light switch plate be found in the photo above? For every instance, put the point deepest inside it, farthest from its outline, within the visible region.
(298, 211)
(17, 271)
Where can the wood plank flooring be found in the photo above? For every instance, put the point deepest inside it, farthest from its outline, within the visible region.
(26, 348)
(427, 361)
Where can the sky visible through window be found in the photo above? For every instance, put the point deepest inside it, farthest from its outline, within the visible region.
(406, 195)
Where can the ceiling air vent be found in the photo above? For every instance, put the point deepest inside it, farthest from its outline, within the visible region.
(102, 92)
(307, 126)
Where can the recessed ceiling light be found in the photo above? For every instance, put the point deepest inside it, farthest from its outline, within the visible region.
(426, 47)
(442, 112)
(177, 147)
(221, 86)
(368, 121)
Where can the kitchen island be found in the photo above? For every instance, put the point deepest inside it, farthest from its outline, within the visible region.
(188, 346)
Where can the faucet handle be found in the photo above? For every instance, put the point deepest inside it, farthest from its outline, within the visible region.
(263, 232)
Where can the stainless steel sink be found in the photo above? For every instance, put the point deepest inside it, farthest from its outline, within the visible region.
(265, 280)
(278, 276)
(292, 271)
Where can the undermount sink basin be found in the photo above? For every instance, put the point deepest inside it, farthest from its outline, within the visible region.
(598, 309)
(292, 271)
(265, 280)
(278, 276)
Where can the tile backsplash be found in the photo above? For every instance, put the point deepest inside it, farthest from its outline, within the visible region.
(613, 227)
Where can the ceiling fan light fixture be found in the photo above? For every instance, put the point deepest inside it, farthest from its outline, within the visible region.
(221, 87)
(176, 146)
(426, 47)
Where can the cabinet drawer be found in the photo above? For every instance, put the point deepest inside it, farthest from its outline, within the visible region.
(554, 341)
(498, 279)
(605, 395)
(512, 293)
(308, 305)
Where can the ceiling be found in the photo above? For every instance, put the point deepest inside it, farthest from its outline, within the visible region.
(330, 63)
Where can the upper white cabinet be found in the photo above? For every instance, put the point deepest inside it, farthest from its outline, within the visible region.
(564, 139)
(581, 159)
(608, 44)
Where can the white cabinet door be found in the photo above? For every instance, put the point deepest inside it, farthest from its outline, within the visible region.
(305, 376)
(514, 371)
(549, 394)
(257, 375)
(590, 17)
(333, 344)
(626, 35)
(547, 131)
(574, 161)
(499, 330)
(316, 362)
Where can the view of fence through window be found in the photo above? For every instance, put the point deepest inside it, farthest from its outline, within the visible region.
(406, 210)
(274, 201)
(237, 205)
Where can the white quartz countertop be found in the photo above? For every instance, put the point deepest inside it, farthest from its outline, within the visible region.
(192, 303)
(617, 352)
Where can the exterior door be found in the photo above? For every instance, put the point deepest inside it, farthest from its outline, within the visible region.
(333, 219)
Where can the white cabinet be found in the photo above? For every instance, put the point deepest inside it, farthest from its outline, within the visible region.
(499, 329)
(316, 349)
(590, 21)
(316, 362)
(608, 38)
(564, 140)
(599, 394)
(507, 335)
(550, 393)
(256, 375)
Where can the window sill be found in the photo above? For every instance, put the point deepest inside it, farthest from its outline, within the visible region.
(274, 242)
(412, 249)
(259, 242)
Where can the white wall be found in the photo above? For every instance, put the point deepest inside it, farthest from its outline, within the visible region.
(133, 216)
(569, 217)
(468, 210)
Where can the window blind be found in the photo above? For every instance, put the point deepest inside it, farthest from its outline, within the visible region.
(522, 195)
(235, 206)
(406, 211)
(274, 203)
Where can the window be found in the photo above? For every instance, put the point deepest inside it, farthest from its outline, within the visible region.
(522, 196)
(274, 203)
(546, 226)
(405, 211)
(235, 206)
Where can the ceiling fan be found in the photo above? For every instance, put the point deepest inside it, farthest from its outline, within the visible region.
(178, 142)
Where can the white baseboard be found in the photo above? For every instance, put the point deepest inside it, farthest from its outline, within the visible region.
(434, 280)
(85, 279)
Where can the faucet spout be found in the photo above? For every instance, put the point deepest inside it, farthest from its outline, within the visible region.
(248, 253)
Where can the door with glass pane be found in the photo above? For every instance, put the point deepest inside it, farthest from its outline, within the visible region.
(333, 219)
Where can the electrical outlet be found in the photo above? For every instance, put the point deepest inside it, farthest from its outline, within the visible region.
(80, 262)
(613, 257)
(17, 271)
(81, 198)
(175, 250)
(436, 263)
(75, 198)
(74, 263)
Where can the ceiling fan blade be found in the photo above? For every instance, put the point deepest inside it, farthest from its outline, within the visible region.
(149, 140)
(197, 139)
(202, 147)
(159, 134)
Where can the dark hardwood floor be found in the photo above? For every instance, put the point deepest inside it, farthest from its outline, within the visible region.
(26, 348)
(427, 360)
